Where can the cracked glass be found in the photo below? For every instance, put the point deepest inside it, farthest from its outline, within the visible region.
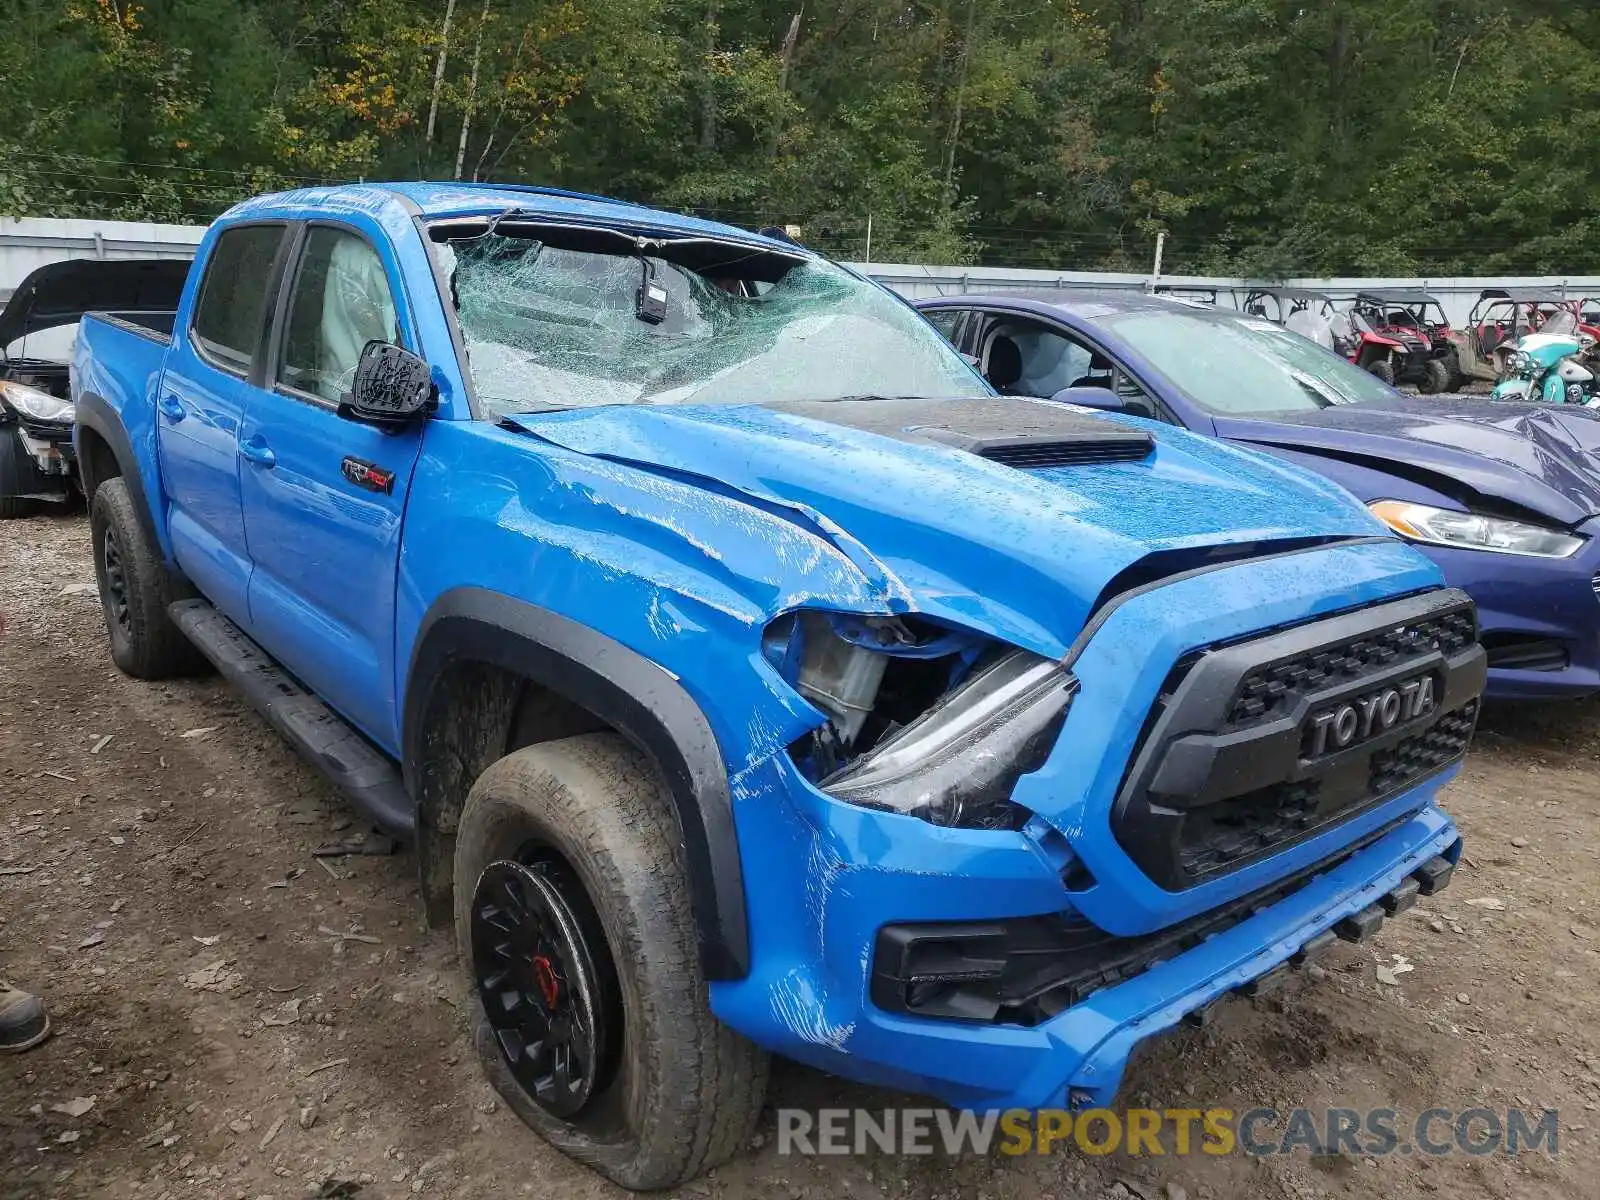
(550, 328)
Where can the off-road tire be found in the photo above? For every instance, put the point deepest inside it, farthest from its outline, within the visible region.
(144, 643)
(1383, 369)
(1435, 377)
(14, 468)
(686, 1089)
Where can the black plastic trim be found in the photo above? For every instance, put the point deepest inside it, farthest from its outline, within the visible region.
(366, 776)
(635, 696)
(1199, 754)
(94, 413)
(1026, 970)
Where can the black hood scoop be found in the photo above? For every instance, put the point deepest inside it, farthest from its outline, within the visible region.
(1011, 430)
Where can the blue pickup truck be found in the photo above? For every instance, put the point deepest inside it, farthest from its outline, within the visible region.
(748, 674)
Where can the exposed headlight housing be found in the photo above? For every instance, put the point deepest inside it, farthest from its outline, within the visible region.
(35, 404)
(1473, 531)
(923, 719)
(961, 759)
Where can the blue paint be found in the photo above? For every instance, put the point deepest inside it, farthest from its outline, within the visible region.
(682, 533)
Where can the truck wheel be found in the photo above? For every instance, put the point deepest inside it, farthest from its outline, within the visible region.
(1383, 369)
(135, 591)
(13, 460)
(592, 1016)
(1435, 377)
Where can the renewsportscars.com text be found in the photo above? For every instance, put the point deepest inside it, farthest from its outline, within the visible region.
(1157, 1132)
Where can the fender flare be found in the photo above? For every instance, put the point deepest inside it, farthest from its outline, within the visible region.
(638, 698)
(94, 413)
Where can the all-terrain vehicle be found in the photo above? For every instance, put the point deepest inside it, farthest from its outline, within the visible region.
(1279, 304)
(1417, 322)
(1352, 336)
(1500, 318)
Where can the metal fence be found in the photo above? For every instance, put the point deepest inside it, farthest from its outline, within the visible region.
(32, 242)
(1455, 295)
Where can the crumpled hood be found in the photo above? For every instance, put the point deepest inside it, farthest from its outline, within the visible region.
(1537, 456)
(973, 539)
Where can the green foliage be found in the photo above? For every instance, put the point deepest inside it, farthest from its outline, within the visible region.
(1264, 137)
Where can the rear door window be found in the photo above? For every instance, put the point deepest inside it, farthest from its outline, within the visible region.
(233, 295)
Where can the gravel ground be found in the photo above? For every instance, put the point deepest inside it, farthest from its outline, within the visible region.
(252, 1022)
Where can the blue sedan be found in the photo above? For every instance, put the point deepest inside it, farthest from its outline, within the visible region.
(1504, 497)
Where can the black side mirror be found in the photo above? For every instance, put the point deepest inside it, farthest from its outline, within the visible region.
(393, 388)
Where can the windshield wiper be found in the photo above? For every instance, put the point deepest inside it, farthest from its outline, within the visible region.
(1310, 388)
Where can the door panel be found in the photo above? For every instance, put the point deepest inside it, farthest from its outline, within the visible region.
(324, 537)
(200, 406)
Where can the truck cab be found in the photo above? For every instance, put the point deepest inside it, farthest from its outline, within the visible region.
(749, 676)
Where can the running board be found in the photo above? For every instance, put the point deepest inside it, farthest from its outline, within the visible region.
(367, 779)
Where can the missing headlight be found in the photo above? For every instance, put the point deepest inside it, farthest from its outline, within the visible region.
(922, 719)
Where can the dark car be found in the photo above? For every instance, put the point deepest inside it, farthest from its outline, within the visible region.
(36, 456)
(1504, 497)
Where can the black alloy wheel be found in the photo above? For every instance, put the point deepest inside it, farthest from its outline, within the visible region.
(116, 593)
(545, 978)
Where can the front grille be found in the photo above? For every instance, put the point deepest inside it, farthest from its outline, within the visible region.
(1595, 584)
(1237, 830)
(1416, 758)
(1263, 692)
(1260, 744)
(1036, 456)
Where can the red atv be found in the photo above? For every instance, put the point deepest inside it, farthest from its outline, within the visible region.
(1353, 336)
(1428, 345)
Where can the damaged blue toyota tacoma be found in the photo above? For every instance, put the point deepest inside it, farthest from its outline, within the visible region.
(749, 676)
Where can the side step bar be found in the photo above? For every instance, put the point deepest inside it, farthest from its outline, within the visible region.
(367, 778)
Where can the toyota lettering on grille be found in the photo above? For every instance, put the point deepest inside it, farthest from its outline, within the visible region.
(1339, 726)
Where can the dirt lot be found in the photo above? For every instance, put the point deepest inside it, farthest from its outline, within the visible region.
(235, 1047)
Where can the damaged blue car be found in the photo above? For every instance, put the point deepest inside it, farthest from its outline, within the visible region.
(749, 676)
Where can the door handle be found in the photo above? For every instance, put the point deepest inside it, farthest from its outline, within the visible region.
(171, 407)
(256, 450)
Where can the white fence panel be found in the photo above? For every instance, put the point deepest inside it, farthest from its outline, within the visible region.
(33, 241)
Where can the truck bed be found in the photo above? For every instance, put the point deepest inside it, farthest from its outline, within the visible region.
(117, 366)
(150, 324)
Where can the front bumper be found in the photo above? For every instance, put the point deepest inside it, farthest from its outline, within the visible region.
(48, 459)
(1539, 618)
(824, 879)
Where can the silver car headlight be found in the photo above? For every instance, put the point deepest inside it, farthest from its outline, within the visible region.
(1473, 531)
(40, 406)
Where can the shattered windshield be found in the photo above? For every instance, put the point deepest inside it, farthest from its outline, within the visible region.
(548, 327)
(1243, 366)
